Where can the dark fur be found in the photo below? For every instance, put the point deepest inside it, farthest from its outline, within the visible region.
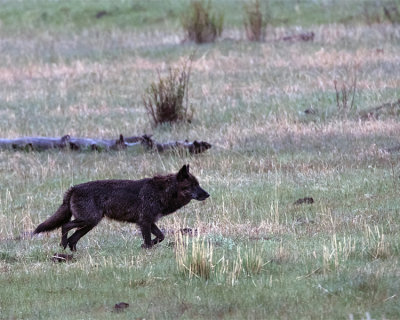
(139, 201)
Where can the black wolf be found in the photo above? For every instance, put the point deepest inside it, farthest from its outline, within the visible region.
(139, 201)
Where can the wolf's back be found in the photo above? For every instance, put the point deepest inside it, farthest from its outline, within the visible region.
(61, 216)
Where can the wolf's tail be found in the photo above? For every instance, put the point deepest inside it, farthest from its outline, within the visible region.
(61, 216)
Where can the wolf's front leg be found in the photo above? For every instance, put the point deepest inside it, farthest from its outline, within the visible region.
(158, 233)
(146, 234)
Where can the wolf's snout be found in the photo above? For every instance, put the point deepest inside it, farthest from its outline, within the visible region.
(201, 194)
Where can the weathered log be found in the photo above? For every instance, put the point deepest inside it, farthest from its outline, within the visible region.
(393, 149)
(304, 36)
(81, 144)
(389, 108)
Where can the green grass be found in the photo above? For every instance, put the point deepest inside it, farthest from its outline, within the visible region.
(75, 15)
(64, 71)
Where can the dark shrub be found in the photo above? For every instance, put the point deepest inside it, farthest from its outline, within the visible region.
(200, 24)
(254, 21)
(166, 100)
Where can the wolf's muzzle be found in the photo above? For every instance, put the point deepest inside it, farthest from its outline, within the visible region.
(200, 194)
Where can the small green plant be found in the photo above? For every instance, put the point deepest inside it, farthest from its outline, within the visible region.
(166, 101)
(254, 21)
(200, 24)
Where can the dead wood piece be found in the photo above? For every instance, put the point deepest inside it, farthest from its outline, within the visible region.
(310, 111)
(303, 220)
(194, 147)
(304, 36)
(389, 108)
(82, 144)
(188, 231)
(121, 306)
(307, 200)
(101, 14)
(199, 147)
(119, 143)
(393, 149)
(62, 257)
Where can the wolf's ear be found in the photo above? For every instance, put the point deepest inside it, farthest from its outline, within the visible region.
(183, 173)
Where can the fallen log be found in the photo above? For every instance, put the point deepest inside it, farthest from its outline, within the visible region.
(304, 36)
(393, 149)
(388, 109)
(67, 142)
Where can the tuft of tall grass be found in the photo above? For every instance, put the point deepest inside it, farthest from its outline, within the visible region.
(254, 21)
(167, 100)
(245, 262)
(378, 12)
(345, 91)
(196, 261)
(201, 25)
(392, 12)
(339, 251)
(372, 245)
(253, 260)
(375, 243)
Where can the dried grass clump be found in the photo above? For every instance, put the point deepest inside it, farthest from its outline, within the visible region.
(379, 12)
(346, 92)
(200, 24)
(254, 260)
(376, 244)
(392, 12)
(197, 261)
(166, 100)
(254, 21)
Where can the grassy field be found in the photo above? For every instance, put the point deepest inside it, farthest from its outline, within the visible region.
(256, 254)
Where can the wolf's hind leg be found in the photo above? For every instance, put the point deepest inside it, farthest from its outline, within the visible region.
(64, 236)
(146, 233)
(79, 233)
(66, 227)
(77, 223)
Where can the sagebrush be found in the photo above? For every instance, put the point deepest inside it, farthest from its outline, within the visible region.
(201, 25)
(254, 21)
(167, 100)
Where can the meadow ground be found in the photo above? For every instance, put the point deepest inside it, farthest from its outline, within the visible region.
(256, 254)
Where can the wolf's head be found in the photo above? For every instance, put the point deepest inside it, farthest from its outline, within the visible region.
(188, 185)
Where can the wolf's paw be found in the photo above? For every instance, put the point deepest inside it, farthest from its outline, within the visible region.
(72, 246)
(64, 244)
(156, 240)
